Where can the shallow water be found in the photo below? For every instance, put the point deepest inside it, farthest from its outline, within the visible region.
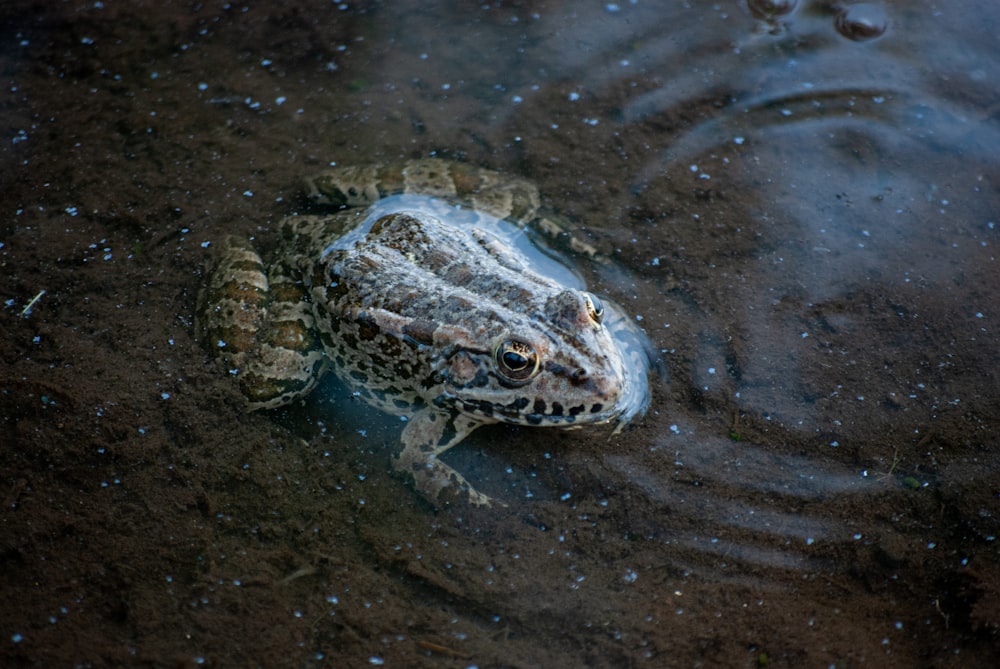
(801, 213)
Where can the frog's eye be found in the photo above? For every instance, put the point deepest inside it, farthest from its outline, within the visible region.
(516, 361)
(595, 308)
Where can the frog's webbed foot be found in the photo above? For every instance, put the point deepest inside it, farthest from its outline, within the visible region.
(427, 435)
(257, 321)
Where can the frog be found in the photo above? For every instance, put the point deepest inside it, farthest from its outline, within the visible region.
(421, 288)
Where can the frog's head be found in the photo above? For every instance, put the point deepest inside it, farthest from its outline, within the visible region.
(565, 367)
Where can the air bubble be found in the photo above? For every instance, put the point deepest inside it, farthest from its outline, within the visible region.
(862, 22)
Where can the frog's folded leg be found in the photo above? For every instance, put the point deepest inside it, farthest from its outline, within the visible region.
(259, 324)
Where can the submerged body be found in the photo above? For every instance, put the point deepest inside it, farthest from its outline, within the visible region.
(425, 306)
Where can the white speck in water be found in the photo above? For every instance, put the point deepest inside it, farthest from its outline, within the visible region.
(248, 193)
(612, 8)
(280, 100)
(573, 96)
(591, 121)
(738, 140)
(711, 371)
(675, 429)
(376, 660)
(931, 545)
(517, 99)
(804, 335)
(565, 496)
(164, 396)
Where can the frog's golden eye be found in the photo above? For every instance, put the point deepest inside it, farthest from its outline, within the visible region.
(595, 308)
(516, 361)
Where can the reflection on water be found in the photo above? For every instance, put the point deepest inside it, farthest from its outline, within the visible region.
(801, 210)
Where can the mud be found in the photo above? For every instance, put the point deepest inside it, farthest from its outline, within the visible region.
(817, 482)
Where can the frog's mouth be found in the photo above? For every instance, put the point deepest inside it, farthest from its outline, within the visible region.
(619, 404)
(538, 412)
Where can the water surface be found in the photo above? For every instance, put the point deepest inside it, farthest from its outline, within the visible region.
(801, 211)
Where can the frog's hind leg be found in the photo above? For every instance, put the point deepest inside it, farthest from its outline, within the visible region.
(260, 325)
(499, 195)
(426, 436)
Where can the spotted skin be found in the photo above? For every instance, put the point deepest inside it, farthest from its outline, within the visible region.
(426, 309)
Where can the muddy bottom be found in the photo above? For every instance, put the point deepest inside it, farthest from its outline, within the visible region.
(816, 482)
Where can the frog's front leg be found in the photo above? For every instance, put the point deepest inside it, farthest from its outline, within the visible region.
(427, 435)
(260, 325)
